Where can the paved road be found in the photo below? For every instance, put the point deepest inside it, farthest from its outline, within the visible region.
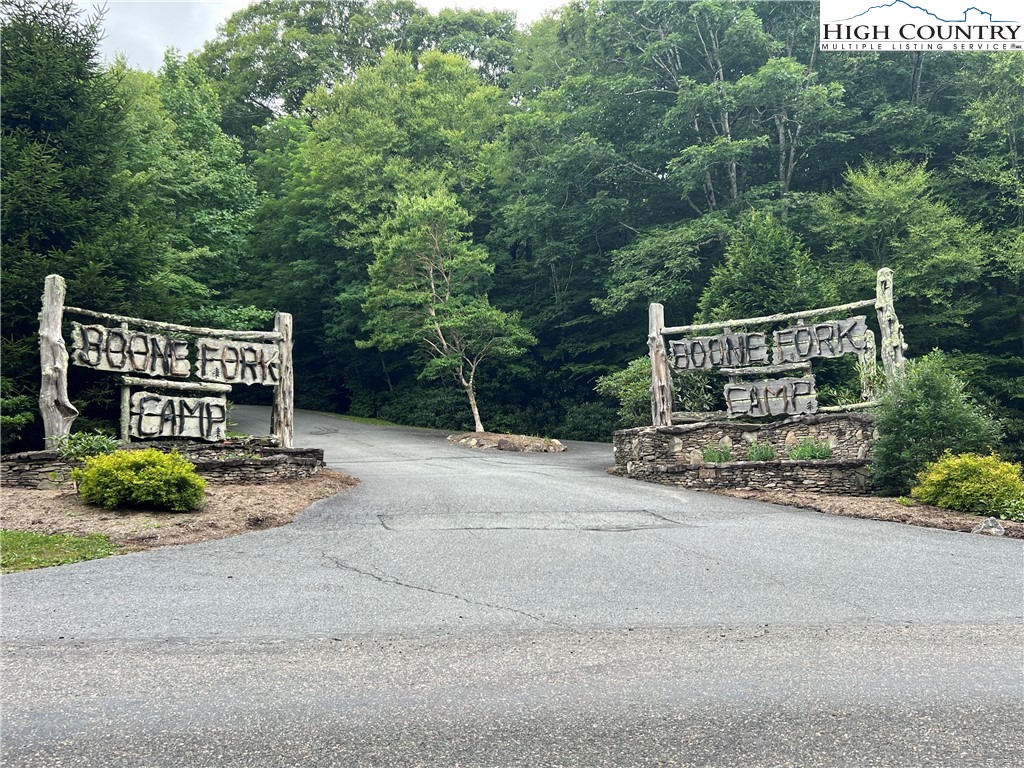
(478, 609)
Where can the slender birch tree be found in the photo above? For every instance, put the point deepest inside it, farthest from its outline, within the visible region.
(428, 289)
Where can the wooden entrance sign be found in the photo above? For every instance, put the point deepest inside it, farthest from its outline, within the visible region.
(756, 354)
(166, 357)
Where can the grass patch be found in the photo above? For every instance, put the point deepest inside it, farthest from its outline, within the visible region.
(366, 420)
(25, 550)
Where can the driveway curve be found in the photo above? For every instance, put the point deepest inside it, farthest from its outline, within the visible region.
(462, 607)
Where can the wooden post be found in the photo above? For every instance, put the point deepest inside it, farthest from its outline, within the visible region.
(283, 415)
(867, 367)
(58, 412)
(126, 404)
(892, 345)
(661, 378)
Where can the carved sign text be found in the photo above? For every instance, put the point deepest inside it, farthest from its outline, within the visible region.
(237, 362)
(155, 415)
(832, 339)
(726, 349)
(780, 397)
(136, 352)
(123, 351)
(790, 345)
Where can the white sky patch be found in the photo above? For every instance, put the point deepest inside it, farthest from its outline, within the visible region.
(142, 30)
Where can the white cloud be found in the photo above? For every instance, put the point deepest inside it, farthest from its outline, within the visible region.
(143, 29)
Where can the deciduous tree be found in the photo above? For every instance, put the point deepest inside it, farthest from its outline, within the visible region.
(428, 289)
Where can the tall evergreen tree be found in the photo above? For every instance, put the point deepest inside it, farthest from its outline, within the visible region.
(65, 209)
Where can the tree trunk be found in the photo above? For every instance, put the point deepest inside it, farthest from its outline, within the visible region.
(661, 377)
(471, 394)
(283, 414)
(54, 403)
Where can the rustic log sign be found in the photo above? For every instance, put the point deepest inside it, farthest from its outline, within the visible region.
(747, 354)
(123, 351)
(833, 339)
(211, 362)
(772, 398)
(791, 345)
(219, 360)
(235, 362)
(154, 415)
(727, 349)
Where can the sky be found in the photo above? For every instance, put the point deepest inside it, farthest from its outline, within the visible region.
(143, 29)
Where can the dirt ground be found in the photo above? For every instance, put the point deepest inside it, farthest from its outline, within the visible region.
(229, 509)
(875, 508)
(232, 509)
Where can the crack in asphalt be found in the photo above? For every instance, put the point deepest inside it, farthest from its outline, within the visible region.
(384, 578)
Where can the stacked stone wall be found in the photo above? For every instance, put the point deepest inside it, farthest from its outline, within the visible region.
(674, 455)
(842, 476)
(243, 463)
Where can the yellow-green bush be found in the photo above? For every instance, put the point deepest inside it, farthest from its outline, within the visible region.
(147, 478)
(969, 482)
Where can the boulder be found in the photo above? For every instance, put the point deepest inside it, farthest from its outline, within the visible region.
(991, 527)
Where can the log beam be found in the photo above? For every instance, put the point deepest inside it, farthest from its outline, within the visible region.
(242, 335)
(766, 319)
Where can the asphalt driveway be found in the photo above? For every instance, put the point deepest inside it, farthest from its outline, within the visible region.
(469, 608)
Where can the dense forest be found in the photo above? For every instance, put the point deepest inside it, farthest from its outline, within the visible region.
(458, 211)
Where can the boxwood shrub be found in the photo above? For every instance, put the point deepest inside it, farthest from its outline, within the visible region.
(969, 482)
(148, 478)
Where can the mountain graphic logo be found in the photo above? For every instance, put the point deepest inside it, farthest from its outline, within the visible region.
(903, 5)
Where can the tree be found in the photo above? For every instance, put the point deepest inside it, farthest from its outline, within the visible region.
(67, 209)
(995, 110)
(922, 414)
(766, 270)
(332, 179)
(193, 192)
(271, 54)
(428, 287)
(891, 215)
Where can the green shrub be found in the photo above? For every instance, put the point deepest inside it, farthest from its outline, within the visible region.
(81, 445)
(717, 454)
(691, 391)
(16, 412)
(761, 452)
(809, 450)
(921, 415)
(632, 388)
(147, 478)
(1013, 511)
(968, 482)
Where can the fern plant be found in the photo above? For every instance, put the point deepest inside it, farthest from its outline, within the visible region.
(714, 454)
(761, 452)
(810, 450)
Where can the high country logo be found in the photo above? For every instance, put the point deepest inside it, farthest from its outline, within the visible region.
(939, 25)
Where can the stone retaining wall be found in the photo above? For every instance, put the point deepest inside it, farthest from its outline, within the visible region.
(673, 455)
(242, 463)
(842, 476)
